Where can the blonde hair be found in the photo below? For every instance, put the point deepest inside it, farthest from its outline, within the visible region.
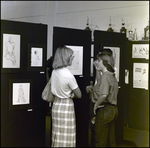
(62, 57)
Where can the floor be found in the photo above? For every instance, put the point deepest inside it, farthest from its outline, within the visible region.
(131, 137)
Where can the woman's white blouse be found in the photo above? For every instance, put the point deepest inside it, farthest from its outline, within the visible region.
(62, 83)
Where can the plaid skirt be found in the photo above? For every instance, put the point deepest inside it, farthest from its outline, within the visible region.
(63, 123)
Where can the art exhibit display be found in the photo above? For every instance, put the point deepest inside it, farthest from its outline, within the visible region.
(116, 56)
(77, 64)
(140, 75)
(11, 51)
(140, 51)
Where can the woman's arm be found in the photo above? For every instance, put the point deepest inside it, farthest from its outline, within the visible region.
(99, 101)
(77, 92)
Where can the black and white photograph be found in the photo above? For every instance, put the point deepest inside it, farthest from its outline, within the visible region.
(93, 55)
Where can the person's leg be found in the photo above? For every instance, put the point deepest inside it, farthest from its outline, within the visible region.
(101, 129)
(111, 138)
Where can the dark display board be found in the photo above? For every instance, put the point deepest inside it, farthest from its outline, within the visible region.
(23, 77)
(81, 38)
(138, 62)
(117, 43)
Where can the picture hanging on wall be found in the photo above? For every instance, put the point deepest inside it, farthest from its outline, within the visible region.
(36, 57)
(116, 56)
(20, 94)
(77, 63)
(140, 75)
(140, 51)
(11, 52)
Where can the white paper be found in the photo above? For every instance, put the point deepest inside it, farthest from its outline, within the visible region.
(126, 76)
(140, 75)
(11, 51)
(21, 93)
(77, 63)
(140, 51)
(36, 57)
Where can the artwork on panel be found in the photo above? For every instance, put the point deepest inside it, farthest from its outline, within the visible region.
(36, 57)
(20, 94)
(126, 76)
(140, 75)
(116, 56)
(140, 51)
(11, 51)
(77, 63)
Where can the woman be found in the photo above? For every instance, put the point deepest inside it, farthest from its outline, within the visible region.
(108, 91)
(63, 86)
(94, 93)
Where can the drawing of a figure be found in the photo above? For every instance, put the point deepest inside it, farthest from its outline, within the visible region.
(36, 58)
(10, 51)
(21, 97)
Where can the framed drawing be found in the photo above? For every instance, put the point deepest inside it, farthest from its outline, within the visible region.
(116, 56)
(20, 94)
(140, 51)
(140, 75)
(11, 52)
(36, 58)
(77, 64)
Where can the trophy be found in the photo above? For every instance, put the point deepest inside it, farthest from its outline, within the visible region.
(87, 25)
(131, 34)
(146, 31)
(123, 29)
(110, 28)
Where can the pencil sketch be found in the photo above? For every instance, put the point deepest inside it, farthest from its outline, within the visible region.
(21, 97)
(11, 51)
(140, 51)
(36, 57)
(77, 63)
(21, 93)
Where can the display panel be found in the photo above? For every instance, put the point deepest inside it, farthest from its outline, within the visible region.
(77, 64)
(20, 94)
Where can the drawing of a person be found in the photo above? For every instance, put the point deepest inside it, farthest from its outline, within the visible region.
(10, 50)
(36, 58)
(21, 97)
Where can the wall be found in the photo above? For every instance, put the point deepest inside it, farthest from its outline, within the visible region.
(73, 14)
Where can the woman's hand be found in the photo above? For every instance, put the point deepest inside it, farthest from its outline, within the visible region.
(89, 88)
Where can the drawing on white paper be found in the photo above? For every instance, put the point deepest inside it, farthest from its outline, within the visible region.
(77, 63)
(140, 51)
(21, 97)
(36, 57)
(116, 56)
(140, 75)
(21, 93)
(126, 76)
(11, 51)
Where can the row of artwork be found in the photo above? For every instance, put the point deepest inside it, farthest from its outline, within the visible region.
(12, 54)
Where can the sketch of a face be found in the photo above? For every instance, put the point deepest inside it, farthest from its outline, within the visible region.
(10, 39)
